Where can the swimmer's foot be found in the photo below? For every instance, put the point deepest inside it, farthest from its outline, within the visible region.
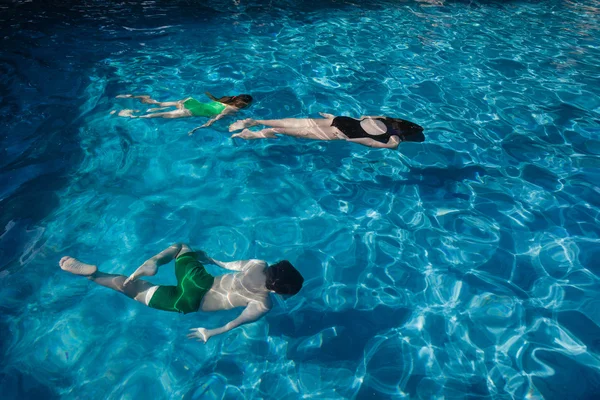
(76, 267)
(241, 124)
(143, 98)
(128, 113)
(248, 134)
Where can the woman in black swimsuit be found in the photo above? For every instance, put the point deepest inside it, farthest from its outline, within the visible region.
(381, 132)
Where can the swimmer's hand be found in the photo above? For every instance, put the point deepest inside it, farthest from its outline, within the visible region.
(149, 268)
(328, 116)
(190, 133)
(200, 334)
(206, 125)
(209, 123)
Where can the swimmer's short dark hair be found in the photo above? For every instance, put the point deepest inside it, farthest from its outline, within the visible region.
(283, 278)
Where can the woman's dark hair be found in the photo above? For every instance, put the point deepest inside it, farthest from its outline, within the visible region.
(283, 278)
(239, 101)
(406, 130)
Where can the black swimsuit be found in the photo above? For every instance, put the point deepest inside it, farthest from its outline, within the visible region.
(351, 128)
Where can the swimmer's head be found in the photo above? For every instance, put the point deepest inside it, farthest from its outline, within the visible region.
(283, 278)
(406, 130)
(239, 101)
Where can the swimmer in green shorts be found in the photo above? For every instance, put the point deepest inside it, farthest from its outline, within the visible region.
(215, 109)
(196, 289)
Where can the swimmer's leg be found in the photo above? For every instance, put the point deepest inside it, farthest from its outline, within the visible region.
(319, 133)
(139, 290)
(179, 113)
(170, 104)
(127, 113)
(281, 123)
(262, 134)
(150, 110)
(147, 100)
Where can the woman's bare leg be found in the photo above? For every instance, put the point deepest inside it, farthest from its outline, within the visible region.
(147, 100)
(151, 110)
(179, 113)
(138, 290)
(317, 133)
(286, 123)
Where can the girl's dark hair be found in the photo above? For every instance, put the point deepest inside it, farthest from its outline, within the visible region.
(239, 101)
(283, 278)
(406, 130)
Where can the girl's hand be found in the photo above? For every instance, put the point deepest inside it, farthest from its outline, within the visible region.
(209, 123)
(328, 116)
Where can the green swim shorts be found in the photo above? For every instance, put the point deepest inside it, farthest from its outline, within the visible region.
(192, 284)
(198, 109)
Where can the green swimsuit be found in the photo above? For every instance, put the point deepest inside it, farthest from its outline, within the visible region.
(198, 109)
(192, 284)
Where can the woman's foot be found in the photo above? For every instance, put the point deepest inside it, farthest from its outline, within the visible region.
(245, 134)
(241, 124)
(76, 267)
(127, 113)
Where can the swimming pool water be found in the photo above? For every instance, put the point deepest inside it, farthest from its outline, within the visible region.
(463, 267)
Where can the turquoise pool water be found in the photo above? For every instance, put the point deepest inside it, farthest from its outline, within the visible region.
(462, 267)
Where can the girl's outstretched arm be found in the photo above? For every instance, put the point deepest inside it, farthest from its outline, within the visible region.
(227, 111)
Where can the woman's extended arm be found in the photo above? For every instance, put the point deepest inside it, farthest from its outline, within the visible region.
(392, 143)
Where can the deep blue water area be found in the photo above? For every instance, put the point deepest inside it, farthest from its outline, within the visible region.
(462, 267)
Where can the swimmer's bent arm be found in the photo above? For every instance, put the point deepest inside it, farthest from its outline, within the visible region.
(150, 266)
(237, 265)
(227, 111)
(253, 312)
(392, 143)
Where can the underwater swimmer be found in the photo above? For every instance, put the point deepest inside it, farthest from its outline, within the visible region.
(380, 132)
(189, 107)
(196, 289)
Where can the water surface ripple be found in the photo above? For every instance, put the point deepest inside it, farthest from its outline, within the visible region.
(463, 267)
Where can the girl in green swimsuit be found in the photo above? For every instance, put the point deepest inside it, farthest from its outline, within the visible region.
(215, 109)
